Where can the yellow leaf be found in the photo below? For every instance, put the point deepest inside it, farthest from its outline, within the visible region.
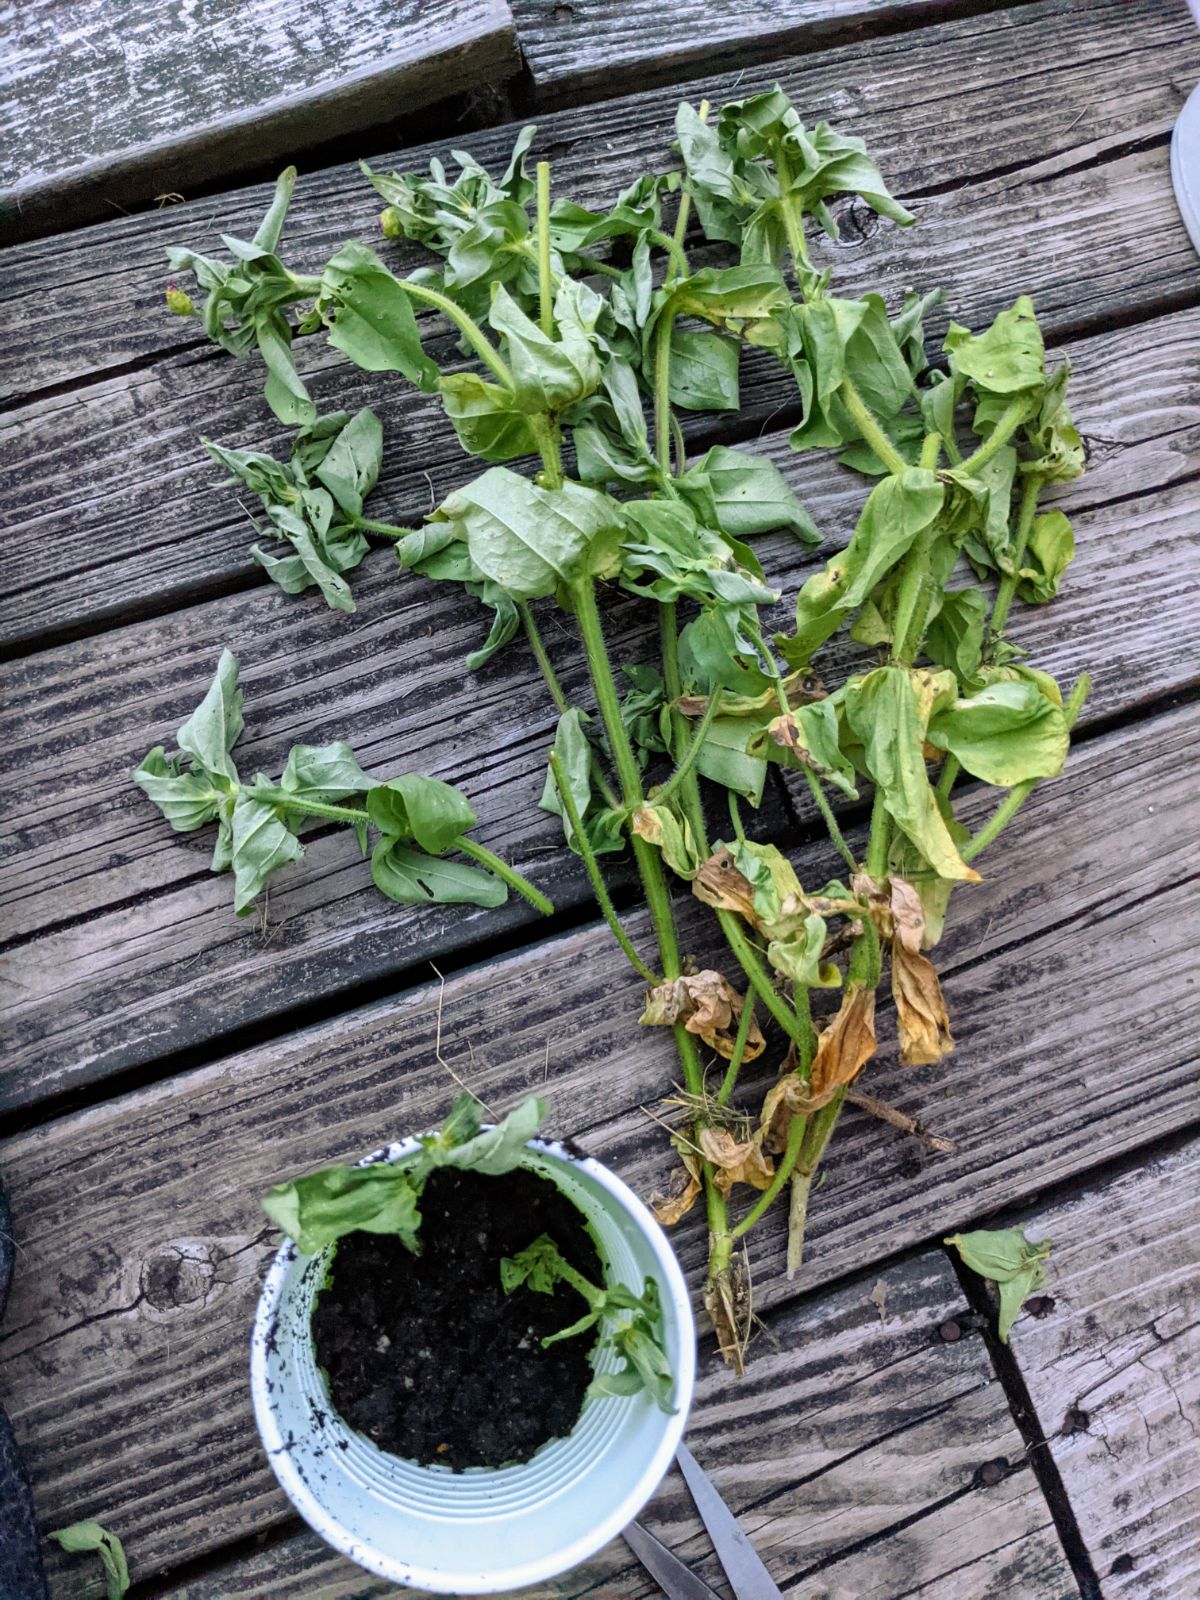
(845, 1046)
(707, 1005)
(920, 1008)
(736, 1161)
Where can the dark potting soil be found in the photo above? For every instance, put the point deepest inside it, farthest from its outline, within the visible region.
(428, 1356)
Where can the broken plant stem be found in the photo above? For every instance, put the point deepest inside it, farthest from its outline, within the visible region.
(595, 878)
(898, 1119)
(1016, 798)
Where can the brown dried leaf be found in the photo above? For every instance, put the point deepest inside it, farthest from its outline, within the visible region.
(786, 1099)
(669, 1207)
(719, 883)
(908, 915)
(736, 1161)
(920, 1008)
(878, 1298)
(708, 1005)
(845, 1046)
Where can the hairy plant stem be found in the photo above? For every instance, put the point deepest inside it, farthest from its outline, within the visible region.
(545, 286)
(739, 1051)
(467, 326)
(951, 768)
(684, 212)
(357, 817)
(688, 759)
(549, 442)
(595, 877)
(877, 847)
(783, 1172)
(816, 1136)
(1009, 420)
(388, 529)
(1008, 583)
(866, 424)
(662, 393)
(831, 822)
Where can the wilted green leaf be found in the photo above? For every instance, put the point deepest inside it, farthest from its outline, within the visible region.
(88, 1536)
(261, 844)
(187, 799)
(425, 809)
(414, 878)
(373, 322)
(1010, 1260)
(318, 1209)
(1005, 734)
(743, 495)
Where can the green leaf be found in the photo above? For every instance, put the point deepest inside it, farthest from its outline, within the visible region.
(350, 468)
(534, 541)
(261, 844)
(1048, 553)
(187, 799)
(1009, 1259)
(319, 1209)
(373, 321)
(744, 495)
(1006, 359)
(425, 809)
(703, 371)
(897, 510)
(682, 558)
(1006, 734)
(261, 474)
(809, 738)
(669, 831)
(577, 762)
(724, 759)
(414, 878)
(888, 714)
(537, 1266)
(551, 374)
(799, 958)
(840, 339)
(486, 418)
(491, 1151)
(212, 730)
(954, 637)
(640, 1344)
(326, 773)
(88, 1536)
(284, 390)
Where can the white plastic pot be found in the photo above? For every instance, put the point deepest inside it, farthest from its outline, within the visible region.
(484, 1530)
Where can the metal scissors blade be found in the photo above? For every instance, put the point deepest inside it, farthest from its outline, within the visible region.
(676, 1581)
(748, 1577)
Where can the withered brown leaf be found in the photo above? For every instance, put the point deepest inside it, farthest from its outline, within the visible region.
(708, 1005)
(671, 1205)
(924, 1023)
(908, 915)
(719, 883)
(845, 1046)
(736, 1160)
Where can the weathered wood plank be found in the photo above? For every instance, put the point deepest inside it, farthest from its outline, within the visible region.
(1046, 136)
(1114, 1370)
(127, 918)
(574, 50)
(1049, 1003)
(105, 109)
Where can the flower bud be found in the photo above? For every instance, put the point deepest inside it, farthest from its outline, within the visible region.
(389, 221)
(179, 303)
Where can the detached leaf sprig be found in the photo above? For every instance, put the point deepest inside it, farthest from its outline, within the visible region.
(585, 335)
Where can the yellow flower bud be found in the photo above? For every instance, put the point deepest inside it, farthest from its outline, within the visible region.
(179, 303)
(389, 221)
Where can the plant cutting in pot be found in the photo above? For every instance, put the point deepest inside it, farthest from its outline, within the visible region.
(473, 1359)
(573, 324)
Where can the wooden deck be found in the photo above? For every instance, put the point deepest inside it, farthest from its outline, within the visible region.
(164, 1062)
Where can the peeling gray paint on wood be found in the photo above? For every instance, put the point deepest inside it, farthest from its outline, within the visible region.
(108, 106)
(1113, 1369)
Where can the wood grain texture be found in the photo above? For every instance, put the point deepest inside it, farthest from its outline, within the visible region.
(142, 1246)
(108, 107)
(1021, 178)
(127, 916)
(574, 50)
(1114, 1371)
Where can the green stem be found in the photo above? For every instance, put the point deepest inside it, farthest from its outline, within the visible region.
(691, 754)
(1016, 798)
(545, 293)
(595, 878)
(308, 808)
(389, 529)
(820, 1129)
(951, 768)
(665, 242)
(913, 596)
(831, 822)
(797, 1027)
(866, 424)
(662, 392)
(877, 848)
(787, 1163)
(1009, 420)
(1008, 583)
(510, 875)
(469, 329)
(739, 1051)
(793, 226)
(538, 646)
(681, 219)
(930, 450)
(735, 816)
(594, 264)
(549, 443)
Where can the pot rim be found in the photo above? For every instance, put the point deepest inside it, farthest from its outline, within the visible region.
(674, 1292)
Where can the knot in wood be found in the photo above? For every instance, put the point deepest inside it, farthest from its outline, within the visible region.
(856, 222)
(179, 1275)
